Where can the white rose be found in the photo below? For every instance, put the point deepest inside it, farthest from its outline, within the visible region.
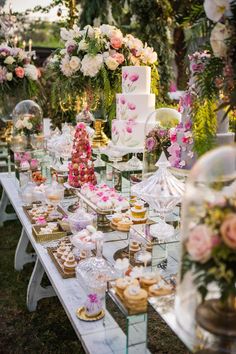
(218, 36)
(107, 29)
(116, 33)
(19, 124)
(215, 9)
(111, 63)
(65, 66)
(29, 126)
(148, 56)
(91, 65)
(9, 76)
(83, 45)
(9, 60)
(89, 31)
(31, 72)
(65, 34)
(133, 43)
(74, 63)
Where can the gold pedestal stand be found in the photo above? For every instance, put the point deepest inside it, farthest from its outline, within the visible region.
(99, 139)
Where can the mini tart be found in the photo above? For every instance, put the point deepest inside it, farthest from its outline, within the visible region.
(123, 283)
(70, 263)
(146, 282)
(134, 246)
(116, 218)
(160, 289)
(61, 250)
(124, 224)
(135, 299)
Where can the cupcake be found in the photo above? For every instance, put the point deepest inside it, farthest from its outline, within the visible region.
(104, 203)
(70, 263)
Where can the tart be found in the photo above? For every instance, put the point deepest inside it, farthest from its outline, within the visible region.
(70, 263)
(160, 289)
(124, 224)
(148, 279)
(134, 246)
(135, 299)
(122, 283)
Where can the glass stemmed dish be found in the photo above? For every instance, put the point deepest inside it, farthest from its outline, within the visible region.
(162, 192)
(54, 195)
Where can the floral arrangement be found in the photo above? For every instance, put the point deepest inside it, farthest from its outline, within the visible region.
(89, 66)
(157, 139)
(28, 124)
(210, 249)
(17, 72)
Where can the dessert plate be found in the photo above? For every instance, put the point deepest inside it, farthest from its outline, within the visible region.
(80, 313)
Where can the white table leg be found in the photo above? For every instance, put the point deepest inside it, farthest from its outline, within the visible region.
(21, 256)
(35, 291)
(4, 216)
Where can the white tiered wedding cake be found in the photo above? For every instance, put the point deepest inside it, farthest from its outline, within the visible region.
(133, 106)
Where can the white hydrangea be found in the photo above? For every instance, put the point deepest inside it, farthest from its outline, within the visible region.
(90, 65)
(31, 72)
(107, 30)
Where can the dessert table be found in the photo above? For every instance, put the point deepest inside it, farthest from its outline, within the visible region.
(104, 336)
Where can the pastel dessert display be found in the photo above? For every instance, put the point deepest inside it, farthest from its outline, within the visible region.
(133, 107)
(104, 197)
(135, 299)
(93, 305)
(139, 212)
(81, 168)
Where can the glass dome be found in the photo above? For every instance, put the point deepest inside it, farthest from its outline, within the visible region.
(157, 136)
(206, 294)
(27, 120)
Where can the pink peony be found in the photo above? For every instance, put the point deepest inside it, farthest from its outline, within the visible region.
(118, 57)
(150, 144)
(200, 243)
(131, 106)
(173, 137)
(116, 42)
(134, 77)
(228, 231)
(20, 72)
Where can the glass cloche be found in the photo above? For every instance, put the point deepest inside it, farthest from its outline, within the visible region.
(27, 120)
(206, 294)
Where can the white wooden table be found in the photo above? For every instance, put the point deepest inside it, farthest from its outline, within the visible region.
(104, 336)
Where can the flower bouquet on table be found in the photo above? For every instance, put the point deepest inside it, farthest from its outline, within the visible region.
(18, 75)
(87, 72)
(157, 140)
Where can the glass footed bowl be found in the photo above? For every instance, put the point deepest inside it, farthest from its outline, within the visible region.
(54, 195)
(80, 220)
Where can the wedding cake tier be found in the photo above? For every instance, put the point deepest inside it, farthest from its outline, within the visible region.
(133, 107)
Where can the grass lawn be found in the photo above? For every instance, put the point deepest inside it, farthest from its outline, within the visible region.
(48, 330)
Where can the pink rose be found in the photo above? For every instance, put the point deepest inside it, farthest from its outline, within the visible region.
(200, 243)
(131, 106)
(118, 57)
(116, 42)
(228, 231)
(20, 72)
(134, 77)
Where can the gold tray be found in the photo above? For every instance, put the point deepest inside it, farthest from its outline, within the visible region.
(47, 237)
(57, 263)
(30, 217)
(80, 313)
